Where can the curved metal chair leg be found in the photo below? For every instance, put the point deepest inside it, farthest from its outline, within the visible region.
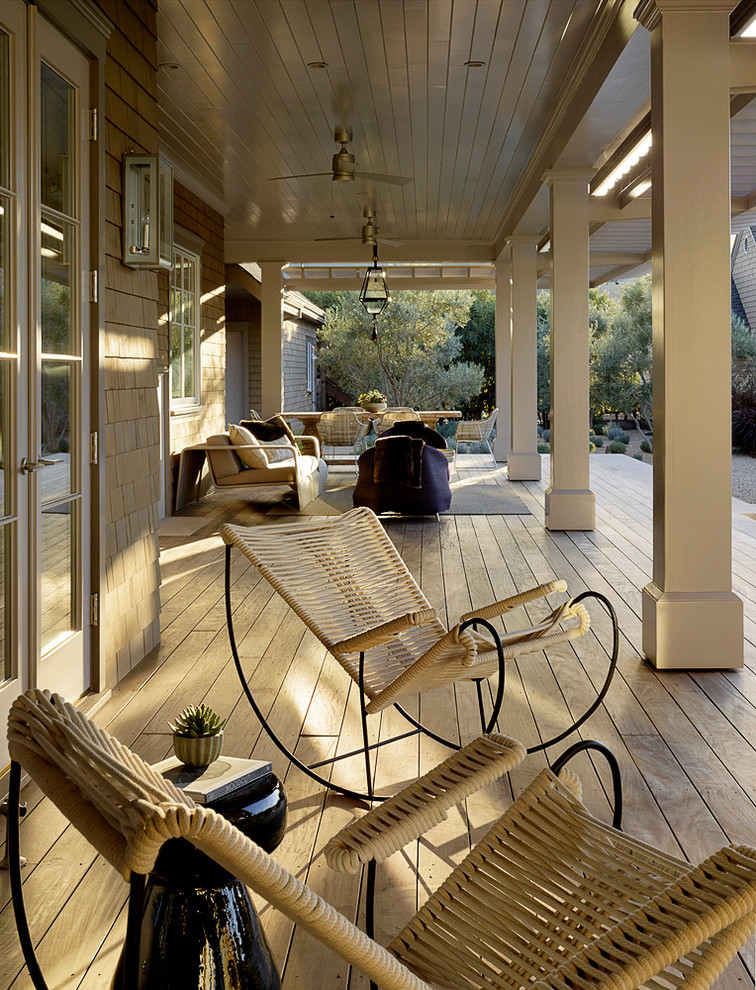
(14, 866)
(611, 759)
(329, 784)
(607, 681)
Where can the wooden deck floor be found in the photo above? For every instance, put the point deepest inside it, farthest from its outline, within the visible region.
(685, 741)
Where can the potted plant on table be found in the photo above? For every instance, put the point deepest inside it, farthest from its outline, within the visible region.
(372, 400)
(197, 735)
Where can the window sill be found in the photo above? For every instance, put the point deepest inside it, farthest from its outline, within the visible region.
(183, 411)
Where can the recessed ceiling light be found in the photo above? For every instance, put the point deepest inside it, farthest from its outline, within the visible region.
(474, 63)
(317, 65)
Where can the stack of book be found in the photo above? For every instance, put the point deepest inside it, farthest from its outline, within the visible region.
(205, 784)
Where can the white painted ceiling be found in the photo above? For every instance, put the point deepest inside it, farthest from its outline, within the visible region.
(240, 104)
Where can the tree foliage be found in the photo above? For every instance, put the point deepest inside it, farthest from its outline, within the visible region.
(543, 358)
(478, 338)
(416, 359)
(621, 355)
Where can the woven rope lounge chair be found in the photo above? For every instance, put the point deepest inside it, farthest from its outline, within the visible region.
(345, 579)
(549, 898)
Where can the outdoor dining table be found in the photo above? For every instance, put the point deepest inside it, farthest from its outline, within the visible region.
(430, 417)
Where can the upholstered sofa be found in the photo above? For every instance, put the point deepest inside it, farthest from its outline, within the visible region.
(303, 471)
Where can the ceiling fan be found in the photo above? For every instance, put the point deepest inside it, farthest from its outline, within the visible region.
(370, 232)
(343, 166)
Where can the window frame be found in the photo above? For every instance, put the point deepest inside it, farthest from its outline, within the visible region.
(187, 403)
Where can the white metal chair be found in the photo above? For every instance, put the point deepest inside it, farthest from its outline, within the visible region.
(342, 428)
(475, 431)
(345, 579)
(549, 898)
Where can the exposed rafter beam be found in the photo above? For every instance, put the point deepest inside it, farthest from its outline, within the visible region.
(620, 270)
(354, 252)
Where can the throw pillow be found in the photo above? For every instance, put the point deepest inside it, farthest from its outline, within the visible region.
(267, 430)
(276, 451)
(253, 456)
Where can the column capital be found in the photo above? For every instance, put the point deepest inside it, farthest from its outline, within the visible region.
(555, 175)
(649, 13)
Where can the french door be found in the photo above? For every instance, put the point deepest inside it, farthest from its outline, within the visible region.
(44, 552)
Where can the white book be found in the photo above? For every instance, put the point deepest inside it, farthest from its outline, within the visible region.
(204, 784)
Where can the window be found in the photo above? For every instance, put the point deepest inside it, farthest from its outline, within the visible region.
(311, 369)
(185, 317)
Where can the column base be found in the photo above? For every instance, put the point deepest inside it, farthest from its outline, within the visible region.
(689, 630)
(501, 449)
(524, 467)
(570, 509)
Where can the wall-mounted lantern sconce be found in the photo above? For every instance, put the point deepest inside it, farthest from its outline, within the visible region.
(147, 211)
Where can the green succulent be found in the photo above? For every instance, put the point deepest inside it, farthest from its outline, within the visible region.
(197, 720)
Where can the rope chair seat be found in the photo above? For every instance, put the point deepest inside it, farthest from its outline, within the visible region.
(348, 584)
(550, 897)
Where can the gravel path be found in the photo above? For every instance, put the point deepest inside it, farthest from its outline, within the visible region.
(743, 468)
(744, 477)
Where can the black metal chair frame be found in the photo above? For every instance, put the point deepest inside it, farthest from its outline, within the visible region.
(487, 724)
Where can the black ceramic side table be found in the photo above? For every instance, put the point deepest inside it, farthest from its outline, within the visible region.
(199, 928)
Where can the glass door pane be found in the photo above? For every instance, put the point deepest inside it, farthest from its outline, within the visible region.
(8, 370)
(57, 401)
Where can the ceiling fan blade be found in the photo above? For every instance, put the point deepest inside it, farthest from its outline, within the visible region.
(337, 239)
(396, 180)
(306, 175)
(390, 241)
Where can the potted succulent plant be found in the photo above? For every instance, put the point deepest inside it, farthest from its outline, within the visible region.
(197, 735)
(372, 400)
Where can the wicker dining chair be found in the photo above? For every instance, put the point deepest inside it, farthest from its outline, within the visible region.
(393, 416)
(549, 898)
(475, 431)
(342, 428)
(343, 576)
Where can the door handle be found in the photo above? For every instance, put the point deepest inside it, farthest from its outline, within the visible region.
(27, 466)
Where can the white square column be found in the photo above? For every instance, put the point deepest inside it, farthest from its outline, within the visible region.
(524, 462)
(570, 503)
(503, 360)
(271, 339)
(691, 618)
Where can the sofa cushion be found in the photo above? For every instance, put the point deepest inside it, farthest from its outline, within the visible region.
(248, 447)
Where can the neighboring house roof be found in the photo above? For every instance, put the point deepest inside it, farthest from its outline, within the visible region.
(743, 276)
(736, 303)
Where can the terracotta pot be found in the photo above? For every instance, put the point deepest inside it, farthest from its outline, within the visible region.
(198, 752)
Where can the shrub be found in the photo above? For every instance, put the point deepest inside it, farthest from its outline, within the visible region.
(598, 440)
(615, 433)
(615, 447)
(544, 448)
(599, 430)
(637, 457)
(546, 435)
(591, 447)
(645, 446)
(744, 413)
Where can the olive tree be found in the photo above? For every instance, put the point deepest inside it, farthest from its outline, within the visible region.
(415, 361)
